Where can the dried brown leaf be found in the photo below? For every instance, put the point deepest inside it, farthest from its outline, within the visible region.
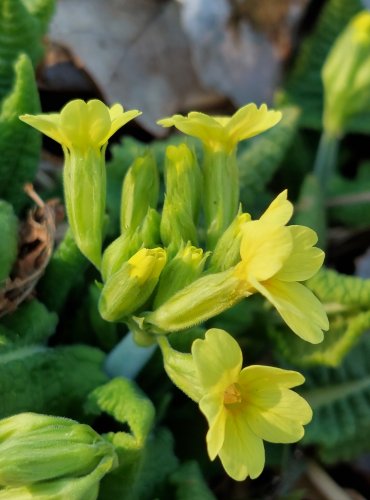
(36, 241)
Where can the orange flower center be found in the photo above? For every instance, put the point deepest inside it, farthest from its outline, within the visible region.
(232, 395)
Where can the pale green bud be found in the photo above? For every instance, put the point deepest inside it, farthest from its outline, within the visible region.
(78, 488)
(204, 298)
(140, 191)
(221, 192)
(177, 224)
(129, 288)
(183, 177)
(346, 77)
(183, 269)
(85, 194)
(36, 448)
(124, 247)
(227, 251)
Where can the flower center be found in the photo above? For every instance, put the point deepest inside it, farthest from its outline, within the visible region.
(232, 395)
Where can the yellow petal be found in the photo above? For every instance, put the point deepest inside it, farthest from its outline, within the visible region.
(199, 125)
(74, 123)
(242, 453)
(280, 210)
(115, 111)
(218, 359)
(263, 250)
(305, 259)
(298, 307)
(99, 122)
(277, 415)
(258, 376)
(213, 409)
(119, 120)
(249, 121)
(48, 124)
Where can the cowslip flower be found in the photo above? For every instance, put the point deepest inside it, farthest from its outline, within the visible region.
(220, 136)
(275, 258)
(83, 130)
(224, 132)
(243, 407)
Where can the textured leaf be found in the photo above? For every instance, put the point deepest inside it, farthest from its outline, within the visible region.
(8, 241)
(42, 10)
(20, 145)
(304, 86)
(339, 291)
(66, 268)
(259, 161)
(20, 32)
(48, 380)
(344, 332)
(340, 399)
(123, 400)
(31, 324)
(190, 484)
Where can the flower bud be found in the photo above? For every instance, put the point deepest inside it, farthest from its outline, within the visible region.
(184, 268)
(139, 192)
(227, 251)
(346, 76)
(36, 448)
(221, 192)
(177, 224)
(204, 298)
(183, 177)
(129, 288)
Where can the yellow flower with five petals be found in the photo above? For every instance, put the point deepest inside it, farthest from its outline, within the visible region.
(243, 407)
(224, 132)
(275, 258)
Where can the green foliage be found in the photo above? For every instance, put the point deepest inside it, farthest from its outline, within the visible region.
(19, 144)
(340, 399)
(189, 483)
(42, 11)
(30, 324)
(304, 86)
(48, 380)
(347, 300)
(66, 268)
(261, 159)
(349, 198)
(8, 240)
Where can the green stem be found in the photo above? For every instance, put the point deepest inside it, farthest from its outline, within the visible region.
(326, 159)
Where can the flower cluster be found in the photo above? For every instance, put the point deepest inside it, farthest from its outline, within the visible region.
(173, 268)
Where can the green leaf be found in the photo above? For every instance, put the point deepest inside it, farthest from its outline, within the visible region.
(349, 199)
(55, 381)
(261, 159)
(304, 86)
(190, 484)
(20, 145)
(340, 399)
(42, 10)
(20, 32)
(340, 292)
(30, 324)
(345, 330)
(8, 241)
(122, 399)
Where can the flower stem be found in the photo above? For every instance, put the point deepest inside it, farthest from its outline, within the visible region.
(326, 159)
(127, 358)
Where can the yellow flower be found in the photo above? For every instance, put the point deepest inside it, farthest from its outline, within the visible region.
(82, 125)
(243, 407)
(224, 132)
(83, 130)
(274, 259)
